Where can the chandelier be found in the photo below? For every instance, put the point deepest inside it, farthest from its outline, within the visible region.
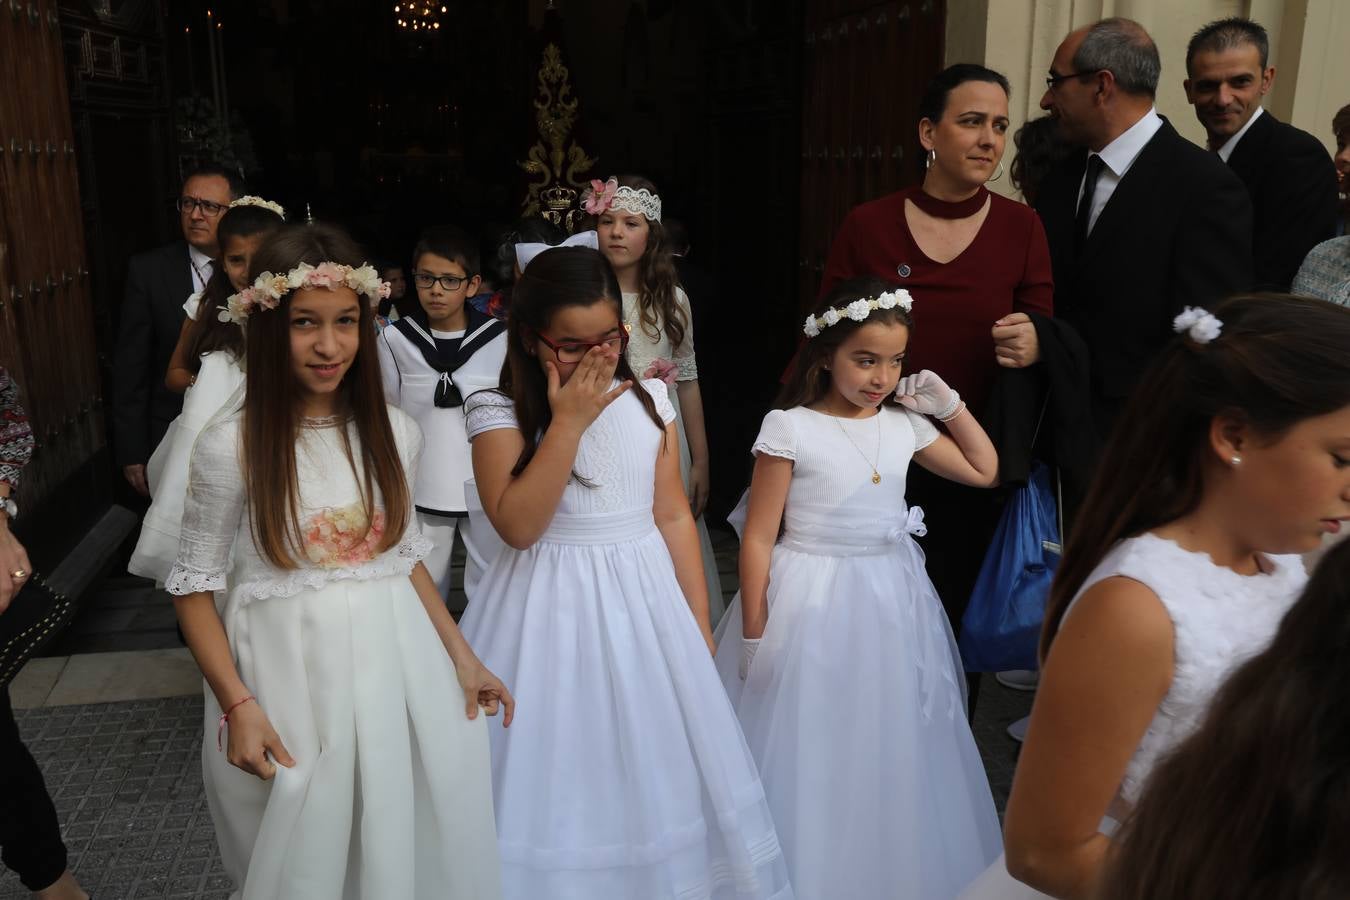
(418, 15)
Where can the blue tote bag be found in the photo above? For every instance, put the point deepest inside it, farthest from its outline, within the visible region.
(1002, 624)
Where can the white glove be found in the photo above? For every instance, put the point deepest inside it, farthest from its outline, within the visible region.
(927, 394)
(748, 648)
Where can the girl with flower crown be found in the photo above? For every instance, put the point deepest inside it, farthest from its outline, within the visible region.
(208, 364)
(660, 327)
(837, 652)
(629, 778)
(1231, 457)
(333, 763)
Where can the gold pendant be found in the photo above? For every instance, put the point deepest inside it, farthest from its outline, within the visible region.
(876, 477)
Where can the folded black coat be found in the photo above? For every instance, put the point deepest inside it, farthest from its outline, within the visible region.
(1060, 385)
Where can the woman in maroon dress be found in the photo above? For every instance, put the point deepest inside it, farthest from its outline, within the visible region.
(977, 265)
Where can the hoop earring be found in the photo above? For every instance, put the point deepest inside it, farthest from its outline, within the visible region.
(932, 158)
(998, 174)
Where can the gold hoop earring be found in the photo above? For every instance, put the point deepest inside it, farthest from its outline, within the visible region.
(998, 173)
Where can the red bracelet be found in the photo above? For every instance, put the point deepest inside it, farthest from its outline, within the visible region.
(225, 717)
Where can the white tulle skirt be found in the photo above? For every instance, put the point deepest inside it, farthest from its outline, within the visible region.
(854, 709)
(167, 471)
(390, 795)
(624, 776)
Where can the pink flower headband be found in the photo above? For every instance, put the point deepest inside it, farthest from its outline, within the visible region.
(606, 195)
(268, 289)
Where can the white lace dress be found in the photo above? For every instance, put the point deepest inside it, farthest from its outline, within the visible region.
(854, 706)
(1220, 620)
(624, 775)
(391, 792)
(643, 350)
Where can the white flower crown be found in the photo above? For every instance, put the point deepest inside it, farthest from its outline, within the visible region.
(858, 310)
(251, 200)
(268, 289)
(606, 195)
(1200, 325)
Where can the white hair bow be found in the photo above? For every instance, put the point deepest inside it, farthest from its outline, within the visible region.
(527, 252)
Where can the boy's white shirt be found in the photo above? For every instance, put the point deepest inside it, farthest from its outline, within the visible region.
(410, 384)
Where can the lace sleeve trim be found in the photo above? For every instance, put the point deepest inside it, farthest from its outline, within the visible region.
(764, 447)
(684, 359)
(183, 580)
(488, 413)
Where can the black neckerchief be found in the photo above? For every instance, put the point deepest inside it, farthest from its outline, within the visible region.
(479, 329)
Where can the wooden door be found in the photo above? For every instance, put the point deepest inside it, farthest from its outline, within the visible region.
(865, 68)
(46, 325)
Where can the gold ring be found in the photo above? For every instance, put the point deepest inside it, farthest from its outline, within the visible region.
(19, 573)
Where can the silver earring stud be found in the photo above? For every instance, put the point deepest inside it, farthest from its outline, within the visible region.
(1236, 460)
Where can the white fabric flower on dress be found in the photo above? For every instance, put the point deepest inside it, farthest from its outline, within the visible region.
(858, 310)
(1200, 325)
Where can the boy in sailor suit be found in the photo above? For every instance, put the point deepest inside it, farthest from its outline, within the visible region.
(430, 361)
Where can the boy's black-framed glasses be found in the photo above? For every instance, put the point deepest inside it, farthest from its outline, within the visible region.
(448, 282)
(575, 351)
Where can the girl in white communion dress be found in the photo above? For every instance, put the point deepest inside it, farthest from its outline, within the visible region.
(357, 763)
(837, 652)
(1231, 458)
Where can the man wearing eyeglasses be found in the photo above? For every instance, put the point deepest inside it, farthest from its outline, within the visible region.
(158, 282)
(1141, 222)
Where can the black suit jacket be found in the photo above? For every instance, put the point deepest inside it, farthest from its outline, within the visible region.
(1292, 183)
(1176, 232)
(158, 281)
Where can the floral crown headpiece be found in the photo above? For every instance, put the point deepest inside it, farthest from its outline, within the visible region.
(268, 289)
(858, 310)
(1200, 325)
(606, 195)
(252, 200)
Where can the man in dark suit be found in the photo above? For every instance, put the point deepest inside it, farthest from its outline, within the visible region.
(158, 282)
(1288, 173)
(1141, 223)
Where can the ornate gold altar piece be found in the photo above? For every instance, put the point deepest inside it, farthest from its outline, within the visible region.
(556, 164)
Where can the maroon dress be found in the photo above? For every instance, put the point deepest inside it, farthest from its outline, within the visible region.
(1006, 269)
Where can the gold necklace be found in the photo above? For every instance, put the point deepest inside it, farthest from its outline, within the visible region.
(876, 476)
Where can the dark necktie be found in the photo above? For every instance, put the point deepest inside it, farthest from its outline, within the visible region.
(1090, 176)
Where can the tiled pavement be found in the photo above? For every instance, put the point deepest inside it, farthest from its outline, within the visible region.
(126, 776)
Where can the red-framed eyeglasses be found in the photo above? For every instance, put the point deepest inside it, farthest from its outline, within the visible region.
(575, 351)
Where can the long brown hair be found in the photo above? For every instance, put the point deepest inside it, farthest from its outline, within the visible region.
(809, 380)
(657, 278)
(1256, 803)
(554, 280)
(207, 333)
(272, 419)
(1278, 361)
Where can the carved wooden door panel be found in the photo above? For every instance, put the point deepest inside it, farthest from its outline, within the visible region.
(46, 325)
(865, 68)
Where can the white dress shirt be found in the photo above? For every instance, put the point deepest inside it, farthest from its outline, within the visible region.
(1118, 156)
(1227, 149)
